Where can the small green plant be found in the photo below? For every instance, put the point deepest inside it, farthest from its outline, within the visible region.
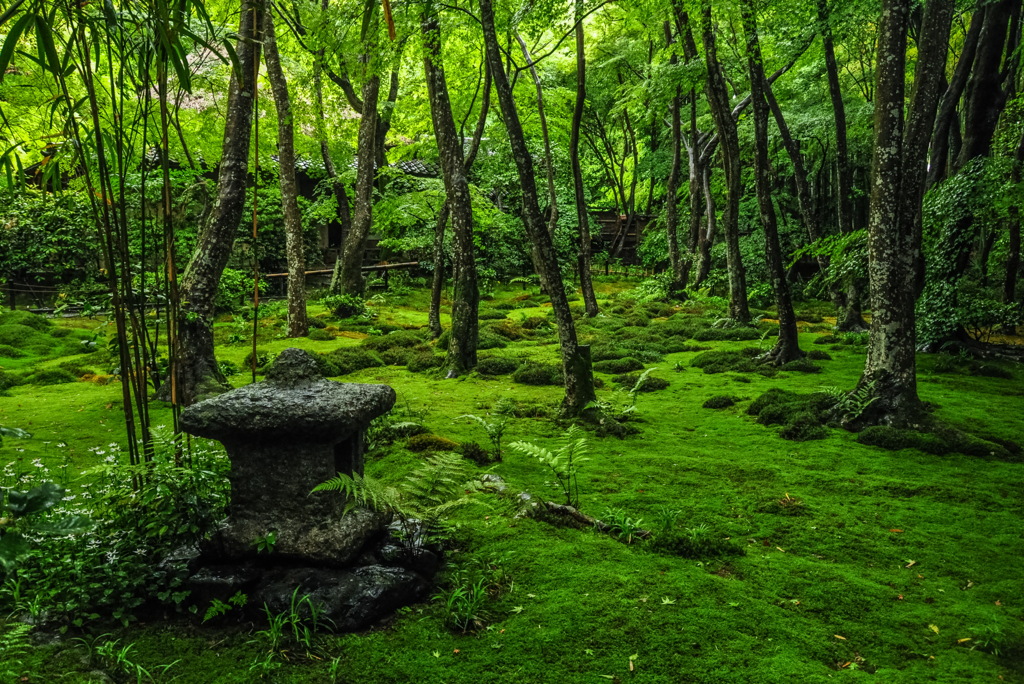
(564, 463)
(850, 406)
(666, 518)
(296, 627)
(495, 429)
(639, 386)
(266, 543)
(218, 607)
(989, 638)
(623, 527)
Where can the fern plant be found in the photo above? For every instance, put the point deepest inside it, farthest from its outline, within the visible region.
(850, 406)
(428, 494)
(495, 429)
(564, 463)
(639, 385)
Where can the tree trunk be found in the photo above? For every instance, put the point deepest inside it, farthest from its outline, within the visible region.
(672, 188)
(348, 277)
(582, 215)
(848, 317)
(466, 299)
(706, 237)
(549, 161)
(1013, 255)
(576, 365)
(297, 323)
(198, 373)
(788, 347)
(384, 113)
(718, 99)
(696, 166)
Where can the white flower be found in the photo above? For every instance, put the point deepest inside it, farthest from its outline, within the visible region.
(112, 445)
(140, 551)
(61, 445)
(111, 557)
(37, 463)
(110, 459)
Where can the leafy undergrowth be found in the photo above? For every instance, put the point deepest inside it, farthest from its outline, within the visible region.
(833, 560)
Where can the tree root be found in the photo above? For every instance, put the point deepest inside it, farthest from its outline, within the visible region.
(584, 520)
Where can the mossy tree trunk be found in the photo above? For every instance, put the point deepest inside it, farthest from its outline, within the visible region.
(788, 347)
(466, 300)
(348, 277)
(298, 326)
(198, 373)
(675, 257)
(898, 169)
(576, 366)
(582, 215)
(718, 99)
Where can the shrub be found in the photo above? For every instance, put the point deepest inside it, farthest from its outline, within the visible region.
(430, 442)
(623, 365)
(651, 383)
(491, 315)
(352, 359)
(818, 355)
(720, 401)
(498, 365)
(423, 361)
(536, 373)
(321, 335)
(344, 305)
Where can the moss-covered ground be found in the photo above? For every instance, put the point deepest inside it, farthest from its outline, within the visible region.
(859, 564)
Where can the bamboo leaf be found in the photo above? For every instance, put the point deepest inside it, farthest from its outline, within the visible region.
(11, 42)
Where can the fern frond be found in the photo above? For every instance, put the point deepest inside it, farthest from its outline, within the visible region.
(532, 450)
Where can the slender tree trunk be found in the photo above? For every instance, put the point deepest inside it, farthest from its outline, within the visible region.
(434, 317)
(718, 99)
(340, 196)
(198, 373)
(849, 316)
(384, 113)
(297, 323)
(348, 277)
(788, 347)
(1013, 256)
(672, 187)
(461, 356)
(582, 215)
(549, 161)
(707, 236)
(576, 365)
(437, 284)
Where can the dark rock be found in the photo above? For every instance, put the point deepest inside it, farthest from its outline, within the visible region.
(352, 600)
(221, 582)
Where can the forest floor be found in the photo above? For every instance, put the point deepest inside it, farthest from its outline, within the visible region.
(848, 562)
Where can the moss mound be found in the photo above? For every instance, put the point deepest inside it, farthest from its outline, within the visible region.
(827, 339)
(801, 366)
(263, 359)
(51, 376)
(9, 352)
(398, 356)
(818, 355)
(677, 345)
(316, 323)
(498, 365)
(726, 334)
(651, 383)
(399, 338)
(320, 335)
(476, 453)
(490, 340)
(622, 365)
(988, 370)
(23, 337)
(507, 328)
(802, 416)
(940, 442)
(638, 321)
(8, 380)
(736, 361)
(424, 361)
(534, 322)
(30, 320)
(720, 401)
(528, 304)
(430, 442)
(536, 373)
(352, 359)
(694, 543)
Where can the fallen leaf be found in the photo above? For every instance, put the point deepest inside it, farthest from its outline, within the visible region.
(998, 603)
(847, 664)
(780, 549)
(895, 530)
(839, 637)
(900, 597)
(960, 641)
(934, 628)
(455, 651)
(911, 563)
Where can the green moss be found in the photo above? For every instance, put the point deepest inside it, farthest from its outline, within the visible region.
(826, 339)
(424, 361)
(397, 356)
(352, 359)
(726, 334)
(51, 376)
(989, 370)
(536, 373)
(429, 442)
(818, 355)
(25, 338)
(397, 339)
(694, 544)
(651, 383)
(801, 366)
(638, 321)
(491, 315)
(490, 340)
(802, 416)
(534, 322)
(509, 329)
(623, 365)
(498, 365)
(320, 334)
(28, 319)
(316, 323)
(720, 401)
(736, 361)
(9, 352)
